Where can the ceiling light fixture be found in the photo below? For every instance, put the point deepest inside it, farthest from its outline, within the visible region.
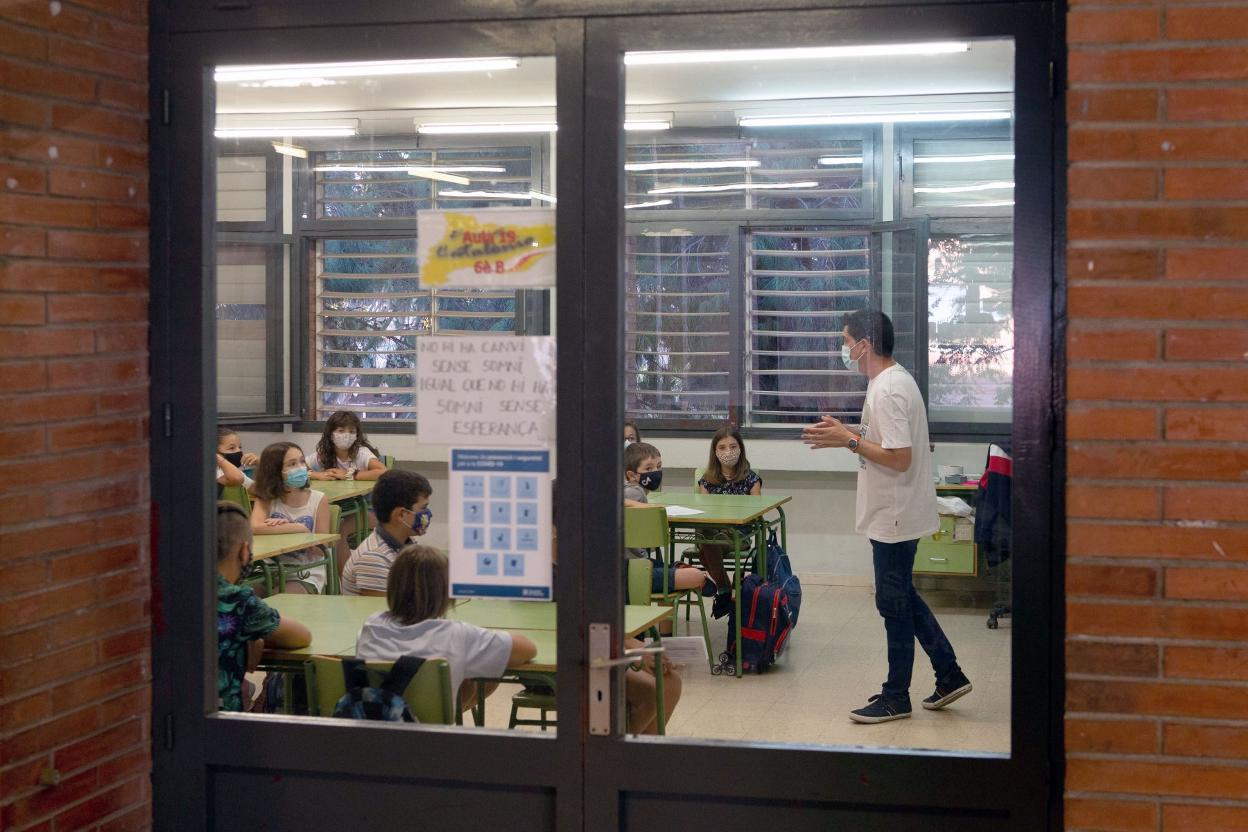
(640, 125)
(870, 118)
(358, 69)
(487, 127)
(293, 130)
(654, 203)
(691, 165)
(963, 189)
(948, 160)
(498, 195)
(717, 56)
(738, 186)
(840, 160)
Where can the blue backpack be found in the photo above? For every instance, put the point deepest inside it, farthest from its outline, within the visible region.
(780, 572)
(765, 627)
(383, 702)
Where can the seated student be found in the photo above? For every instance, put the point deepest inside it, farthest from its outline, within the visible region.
(244, 622)
(631, 433)
(727, 472)
(401, 501)
(643, 473)
(284, 504)
(231, 459)
(343, 452)
(418, 596)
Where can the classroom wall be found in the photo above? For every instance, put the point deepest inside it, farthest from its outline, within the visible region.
(74, 529)
(1157, 541)
(822, 541)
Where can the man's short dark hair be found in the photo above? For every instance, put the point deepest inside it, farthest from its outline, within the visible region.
(876, 327)
(398, 488)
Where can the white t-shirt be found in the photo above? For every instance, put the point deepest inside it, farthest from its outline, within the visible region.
(248, 482)
(894, 506)
(473, 652)
(357, 463)
(305, 516)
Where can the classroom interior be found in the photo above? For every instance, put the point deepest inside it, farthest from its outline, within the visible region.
(767, 196)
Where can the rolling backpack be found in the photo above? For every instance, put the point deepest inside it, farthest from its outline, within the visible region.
(382, 702)
(780, 571)
(765, 627)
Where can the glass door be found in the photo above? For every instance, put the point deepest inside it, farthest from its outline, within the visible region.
(373, 236)
(757, 194)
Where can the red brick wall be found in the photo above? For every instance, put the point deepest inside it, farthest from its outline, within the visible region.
(1157, 616)
(74, 573)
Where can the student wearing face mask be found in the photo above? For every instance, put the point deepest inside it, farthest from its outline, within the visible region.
(231, 460)
(401, 503)
(244, 622)
(727, 471)
(284, 504)
(343, 452)
(643, 473)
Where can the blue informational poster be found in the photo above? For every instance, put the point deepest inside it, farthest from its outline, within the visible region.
(500, 515)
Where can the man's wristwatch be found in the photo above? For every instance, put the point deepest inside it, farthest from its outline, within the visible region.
(852, 445)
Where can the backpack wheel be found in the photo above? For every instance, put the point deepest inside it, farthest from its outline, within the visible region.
(717, 670)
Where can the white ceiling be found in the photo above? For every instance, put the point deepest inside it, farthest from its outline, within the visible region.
(389, 103)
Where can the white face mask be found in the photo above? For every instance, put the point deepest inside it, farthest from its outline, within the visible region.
(627, 442)
(851, 364)
(728, 457)
(342, 441)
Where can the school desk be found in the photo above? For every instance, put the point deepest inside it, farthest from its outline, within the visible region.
(740, 516)
(351, 496)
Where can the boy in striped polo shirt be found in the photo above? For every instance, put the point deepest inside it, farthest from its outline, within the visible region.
(401, 503)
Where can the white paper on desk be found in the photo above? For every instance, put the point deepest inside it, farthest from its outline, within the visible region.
(682, 511)
(684, 649)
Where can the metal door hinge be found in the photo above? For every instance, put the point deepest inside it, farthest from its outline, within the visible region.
(166, 107)
(168, 417)
(168, 732)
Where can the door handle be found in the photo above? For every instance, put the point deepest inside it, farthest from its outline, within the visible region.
(600, 664)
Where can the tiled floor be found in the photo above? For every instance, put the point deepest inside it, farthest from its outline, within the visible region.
(835, 661)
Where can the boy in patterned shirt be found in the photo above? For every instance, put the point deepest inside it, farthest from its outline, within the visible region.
(401, 503)
(244, 622)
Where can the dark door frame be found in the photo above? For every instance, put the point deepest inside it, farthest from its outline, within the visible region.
(1022, 790)
(191, 744)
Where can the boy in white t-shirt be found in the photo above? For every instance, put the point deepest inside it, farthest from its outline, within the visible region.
(896, 505)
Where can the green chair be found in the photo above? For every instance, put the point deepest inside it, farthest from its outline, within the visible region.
(428, 695)
(535, 699)
(646, 528)
(238, 495)
(330, 561)
(387, 461)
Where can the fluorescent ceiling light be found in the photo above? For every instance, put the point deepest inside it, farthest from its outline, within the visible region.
(290, 150)
(840, 160)
(870, 118)
(654, 203)
(707, 165)
(410, 170)
(962, 189)
(719, 56)
(739, 186)
(488, 127)
(358, 69)
(292, 130)
(469, 169)
(1002, 203)
(982, 157)
(498, 195)
(646, 124)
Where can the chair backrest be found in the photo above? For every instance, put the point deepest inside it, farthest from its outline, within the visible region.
(335, 518)
(639, 576)
(697, 475)
(238, 495)
(387, 461)
(645, 528)
(428, 695)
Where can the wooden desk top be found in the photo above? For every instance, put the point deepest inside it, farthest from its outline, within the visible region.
(339, 490)
(719, 509)
(264, 546)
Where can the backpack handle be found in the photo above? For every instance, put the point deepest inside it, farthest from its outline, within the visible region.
(401, 674)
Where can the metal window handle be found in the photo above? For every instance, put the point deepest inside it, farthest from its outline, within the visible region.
(629, 657)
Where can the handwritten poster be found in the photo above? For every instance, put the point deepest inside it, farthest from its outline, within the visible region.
(497, 247)
(500, 524)
(485, 390)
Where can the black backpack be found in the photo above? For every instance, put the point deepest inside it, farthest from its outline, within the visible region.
(383, 702)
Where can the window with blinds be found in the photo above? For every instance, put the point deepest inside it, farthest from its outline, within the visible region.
(243, 329)
(963, 177)
(821, 173)
(385, 184)
(801, 284)
(369, 310)
(678, 325)
(242, 189)
(971, 327)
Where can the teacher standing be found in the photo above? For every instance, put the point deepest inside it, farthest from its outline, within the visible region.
(896, 505)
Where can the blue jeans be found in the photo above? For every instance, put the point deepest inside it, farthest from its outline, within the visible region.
(906, 617)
